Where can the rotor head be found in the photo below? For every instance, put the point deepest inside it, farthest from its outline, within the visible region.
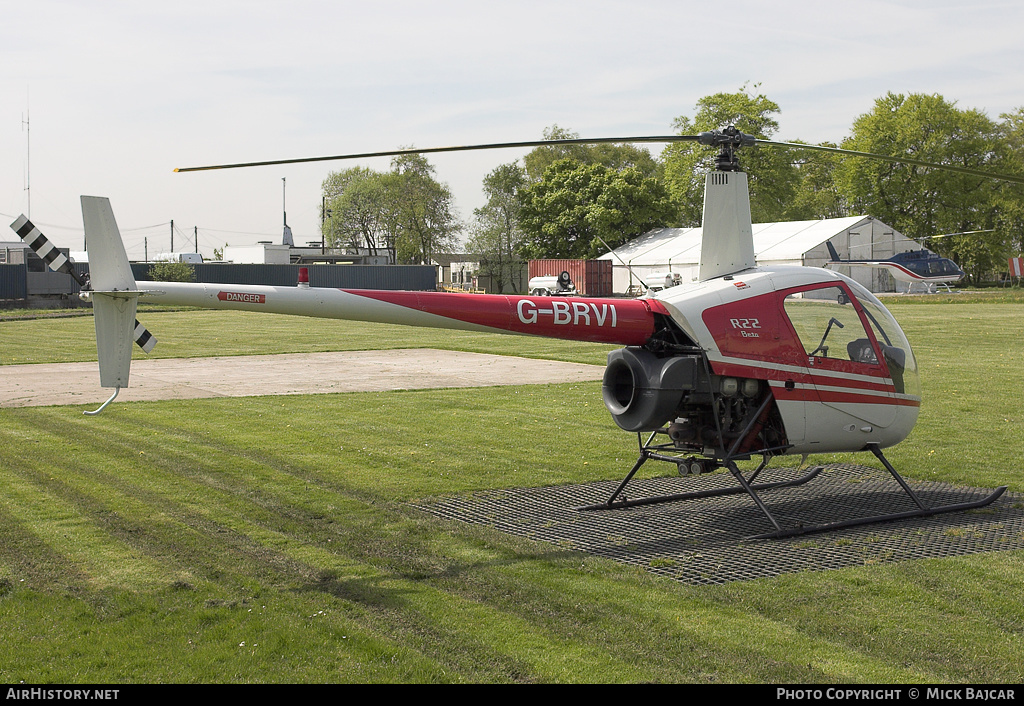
(728, 141)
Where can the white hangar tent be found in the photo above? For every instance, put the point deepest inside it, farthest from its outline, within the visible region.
(789, 243)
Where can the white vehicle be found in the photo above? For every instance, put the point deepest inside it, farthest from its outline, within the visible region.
(549, 285)
(657, 281)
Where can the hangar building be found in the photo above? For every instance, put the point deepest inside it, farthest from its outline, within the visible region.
(677, 250)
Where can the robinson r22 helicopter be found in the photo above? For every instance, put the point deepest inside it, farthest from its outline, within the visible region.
(746, 362)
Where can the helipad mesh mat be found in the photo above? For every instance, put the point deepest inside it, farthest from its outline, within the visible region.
(705, 541)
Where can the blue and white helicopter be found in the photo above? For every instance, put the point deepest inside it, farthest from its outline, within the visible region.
(914, 266)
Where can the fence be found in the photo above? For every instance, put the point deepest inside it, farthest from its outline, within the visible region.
(16, 284)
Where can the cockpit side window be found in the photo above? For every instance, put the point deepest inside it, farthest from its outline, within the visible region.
(829, 326)
(893, 342)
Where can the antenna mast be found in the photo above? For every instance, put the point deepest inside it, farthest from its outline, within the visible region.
(26, 126)
(286, 238)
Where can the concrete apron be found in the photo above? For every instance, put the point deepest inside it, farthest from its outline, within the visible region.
(288, 374)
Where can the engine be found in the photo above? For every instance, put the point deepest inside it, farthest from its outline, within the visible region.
(678, 394)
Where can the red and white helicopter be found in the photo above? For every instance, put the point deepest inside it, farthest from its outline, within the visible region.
(748, 361)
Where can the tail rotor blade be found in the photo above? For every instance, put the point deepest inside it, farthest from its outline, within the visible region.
(41, 245)
(58, 262)
(145, 340)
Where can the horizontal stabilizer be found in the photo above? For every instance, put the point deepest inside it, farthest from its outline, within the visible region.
(99, 220)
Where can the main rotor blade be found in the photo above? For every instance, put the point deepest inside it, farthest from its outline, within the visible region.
(894, 160)
(964, 232)
(729, 137)
(463, 148)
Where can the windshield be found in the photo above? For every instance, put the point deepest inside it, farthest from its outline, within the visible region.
(895, 346)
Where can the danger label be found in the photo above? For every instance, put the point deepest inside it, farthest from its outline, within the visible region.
(242, 297)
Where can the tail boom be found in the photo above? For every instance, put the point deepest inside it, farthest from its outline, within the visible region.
(616, 321)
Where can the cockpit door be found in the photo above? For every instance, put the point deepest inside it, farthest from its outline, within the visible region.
(844, 358)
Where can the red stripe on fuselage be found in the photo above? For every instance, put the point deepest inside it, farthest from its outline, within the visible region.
(621, 321)
(909, 274)
(813, 387)
(831, 397)
(808, 377)
(810, 394)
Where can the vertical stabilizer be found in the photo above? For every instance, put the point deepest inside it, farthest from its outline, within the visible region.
(108, 262)
(115, 324)
(114, 293)
(728, 241)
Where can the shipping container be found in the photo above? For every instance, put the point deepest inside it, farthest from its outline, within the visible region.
(593, 278)
(13, 282)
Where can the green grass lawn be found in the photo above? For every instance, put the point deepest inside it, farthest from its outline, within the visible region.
(203, 333)
(269, 540)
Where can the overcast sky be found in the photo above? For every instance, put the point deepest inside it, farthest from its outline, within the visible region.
(107, 98)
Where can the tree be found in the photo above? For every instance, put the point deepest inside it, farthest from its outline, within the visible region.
(772, 176)
(1009, 222)
(497, 234)
(581, 210)
(405, 212)
(422, 210)
(171, 271)
(612, 155)
(920, 201)
(358, 211)
(817, 195)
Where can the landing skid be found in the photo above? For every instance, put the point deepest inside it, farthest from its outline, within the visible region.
(746, 485)
(922, 510)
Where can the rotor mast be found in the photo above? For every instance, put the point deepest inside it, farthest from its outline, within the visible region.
(727, 245)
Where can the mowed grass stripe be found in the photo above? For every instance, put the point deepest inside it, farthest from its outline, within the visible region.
(388, 443)
(544, 654)
(27, 557)
(186, 518)
(263, 486)
(181, 636)
(415, 595)
(430, 601)
(41, 507)
(238, 522)
(698, 632)
(927, 616)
